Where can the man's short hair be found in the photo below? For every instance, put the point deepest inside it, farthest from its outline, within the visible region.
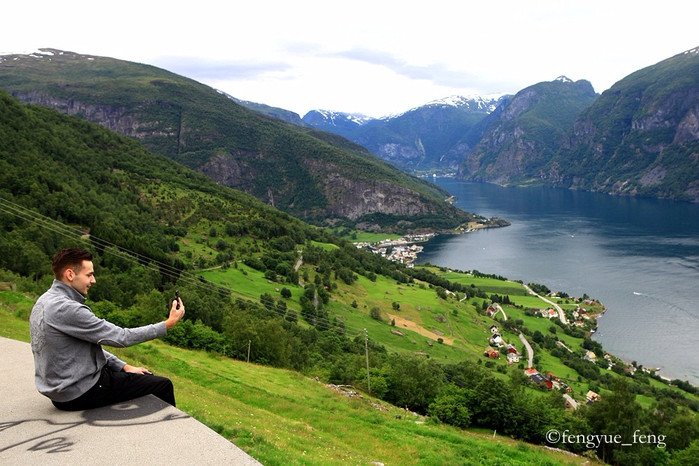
(71, 258)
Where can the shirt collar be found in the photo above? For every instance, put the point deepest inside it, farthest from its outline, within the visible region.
(69, 291)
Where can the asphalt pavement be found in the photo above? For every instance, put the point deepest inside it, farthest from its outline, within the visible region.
(142, 431)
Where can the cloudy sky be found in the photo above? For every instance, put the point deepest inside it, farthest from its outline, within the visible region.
(373, 57)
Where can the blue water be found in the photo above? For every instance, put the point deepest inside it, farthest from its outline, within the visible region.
(639, 257)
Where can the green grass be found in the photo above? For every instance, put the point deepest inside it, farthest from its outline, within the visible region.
(247, 282)
(281, 417)
(14, 315)
(420, 304)
(326, 246)
(489, 285)
(463, 329)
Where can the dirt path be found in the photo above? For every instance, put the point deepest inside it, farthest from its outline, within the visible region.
(412, 326)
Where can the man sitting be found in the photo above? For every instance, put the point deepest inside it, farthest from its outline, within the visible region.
(71, 368)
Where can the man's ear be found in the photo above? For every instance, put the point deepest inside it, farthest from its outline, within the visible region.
(69, 274)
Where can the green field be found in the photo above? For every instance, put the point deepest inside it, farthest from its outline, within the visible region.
(281, 417)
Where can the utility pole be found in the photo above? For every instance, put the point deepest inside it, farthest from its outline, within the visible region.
(249, 342)
(366, 351)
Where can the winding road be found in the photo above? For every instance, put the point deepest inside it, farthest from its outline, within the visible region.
(561, 314)
(530, 351)
(500, 309)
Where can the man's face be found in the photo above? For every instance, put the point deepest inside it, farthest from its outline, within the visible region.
(83, 278)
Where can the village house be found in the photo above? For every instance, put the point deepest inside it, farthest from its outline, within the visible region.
(511, 349)
(491, 311)
(496, 340)
(538, 379)
(491, 352)
(592, 397)
(590, 356)
(610, 361)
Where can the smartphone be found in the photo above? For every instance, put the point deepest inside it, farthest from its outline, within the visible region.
(177, 298)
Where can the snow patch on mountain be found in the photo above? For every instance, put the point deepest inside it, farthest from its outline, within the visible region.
(341, 117)
(487, 103)
(483, 103)
(39, 53)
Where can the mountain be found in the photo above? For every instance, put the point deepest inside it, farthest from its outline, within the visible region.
(427, 138)
(344, 124)
(527, 132)
(262, 286)
(274, 112)
(302, 171)
(640, 137)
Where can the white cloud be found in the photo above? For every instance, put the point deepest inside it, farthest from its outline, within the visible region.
(373, 57)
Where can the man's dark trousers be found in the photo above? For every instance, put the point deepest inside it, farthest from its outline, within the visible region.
(116, 387)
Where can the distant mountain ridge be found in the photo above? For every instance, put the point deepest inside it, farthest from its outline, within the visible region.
(309, 174)
(640, 137)
(637, 138)
(344, 124)
(422, 138)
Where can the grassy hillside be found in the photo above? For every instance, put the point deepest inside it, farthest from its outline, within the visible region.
(281, 417)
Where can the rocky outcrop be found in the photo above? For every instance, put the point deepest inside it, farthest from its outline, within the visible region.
(356, 198)
(118, 119)
(345, 196)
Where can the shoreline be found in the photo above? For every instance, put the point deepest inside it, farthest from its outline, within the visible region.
(662, 374)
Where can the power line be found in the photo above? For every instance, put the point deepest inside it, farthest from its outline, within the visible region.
(109, 247)
(134, 257)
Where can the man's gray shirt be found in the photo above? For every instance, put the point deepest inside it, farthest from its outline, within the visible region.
(66, 339)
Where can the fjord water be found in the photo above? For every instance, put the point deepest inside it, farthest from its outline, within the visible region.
(639, 257)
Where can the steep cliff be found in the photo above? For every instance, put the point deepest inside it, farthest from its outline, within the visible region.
(641, 137)
(527, 132)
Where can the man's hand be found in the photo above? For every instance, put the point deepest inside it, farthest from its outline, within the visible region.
(175, 314)
(136, 370)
